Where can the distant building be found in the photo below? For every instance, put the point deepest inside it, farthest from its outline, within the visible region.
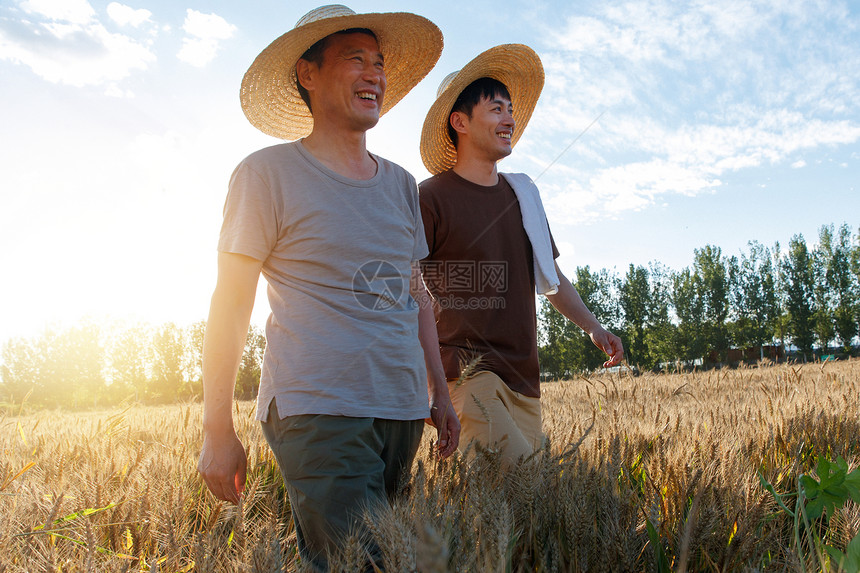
(751, 354)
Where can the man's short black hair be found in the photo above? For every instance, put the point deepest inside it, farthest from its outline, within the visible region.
(482, 88)
(314, 54)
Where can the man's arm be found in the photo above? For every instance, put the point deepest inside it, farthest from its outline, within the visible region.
(568, 302)
(222, 459)
(442, 415)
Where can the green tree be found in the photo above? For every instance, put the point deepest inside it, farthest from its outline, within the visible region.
(690, 312)
(194, 353)
(855, 271)
(20, 370)
(63, 366)
(168, 346)
(563, 347)
(661, 334)
(554, 352)
(713, 285)
(129, 362)
(797, 273)
(753, 296)
(248, 377)
(71, 365)
(596, 292)
(88, 363)
(634, 298)
(782, 320)
(823, 323)
(739, 323)
(842, 284)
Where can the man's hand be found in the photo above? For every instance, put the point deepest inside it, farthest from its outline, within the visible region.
(444, 419)
(610, 344)
(223, 465)
(222, 459)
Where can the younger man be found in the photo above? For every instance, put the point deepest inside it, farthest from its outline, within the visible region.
(490, 248)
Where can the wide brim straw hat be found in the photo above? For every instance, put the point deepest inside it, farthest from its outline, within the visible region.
(411, 45)
(517, 66)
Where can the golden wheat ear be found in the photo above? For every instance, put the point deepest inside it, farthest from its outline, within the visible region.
(469, 361)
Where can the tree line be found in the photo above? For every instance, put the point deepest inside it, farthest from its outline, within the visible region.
(805, 298)
(90, 365)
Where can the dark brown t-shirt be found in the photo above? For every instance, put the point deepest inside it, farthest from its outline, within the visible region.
(480, 271)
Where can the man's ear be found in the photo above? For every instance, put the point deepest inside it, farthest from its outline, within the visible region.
(459, 121)
(304, 74)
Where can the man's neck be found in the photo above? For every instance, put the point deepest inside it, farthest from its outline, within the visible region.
(478, 172)
(344, 153)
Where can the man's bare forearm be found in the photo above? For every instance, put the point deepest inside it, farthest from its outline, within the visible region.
(442, 414)
(568, 302)
(428, 337)
(224, 341)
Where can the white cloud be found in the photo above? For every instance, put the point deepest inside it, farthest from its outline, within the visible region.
(692, 92)
(202, 25)
(81, 57)
(799, 164)
(73, 11)
(126, 15)
(204, 31)
(114, 90)
(683, 161)
(65, 43)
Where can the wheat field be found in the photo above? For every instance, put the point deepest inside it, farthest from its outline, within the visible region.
(647, 473)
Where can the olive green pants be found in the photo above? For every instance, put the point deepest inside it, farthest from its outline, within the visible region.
(493, 415)
(334, 467)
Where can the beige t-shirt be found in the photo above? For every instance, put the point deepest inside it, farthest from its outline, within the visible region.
(342, 338)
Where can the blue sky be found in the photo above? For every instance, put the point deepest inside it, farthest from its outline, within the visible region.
(721, 123)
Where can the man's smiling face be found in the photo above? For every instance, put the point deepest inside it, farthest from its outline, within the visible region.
(349, 84)
(490, 127)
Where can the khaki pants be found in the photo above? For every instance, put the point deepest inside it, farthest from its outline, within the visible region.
(494, 415)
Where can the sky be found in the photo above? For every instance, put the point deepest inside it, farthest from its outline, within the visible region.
(717, 123)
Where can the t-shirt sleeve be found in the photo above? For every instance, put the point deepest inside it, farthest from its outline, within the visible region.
(428, 219)
(419, 250)
(250, 225)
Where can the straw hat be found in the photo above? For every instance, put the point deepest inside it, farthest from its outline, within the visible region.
(515, 65)
(270, 99)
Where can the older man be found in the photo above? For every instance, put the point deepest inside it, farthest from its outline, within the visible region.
(337, 233)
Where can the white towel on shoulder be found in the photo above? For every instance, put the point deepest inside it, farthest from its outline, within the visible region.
(537, 229)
